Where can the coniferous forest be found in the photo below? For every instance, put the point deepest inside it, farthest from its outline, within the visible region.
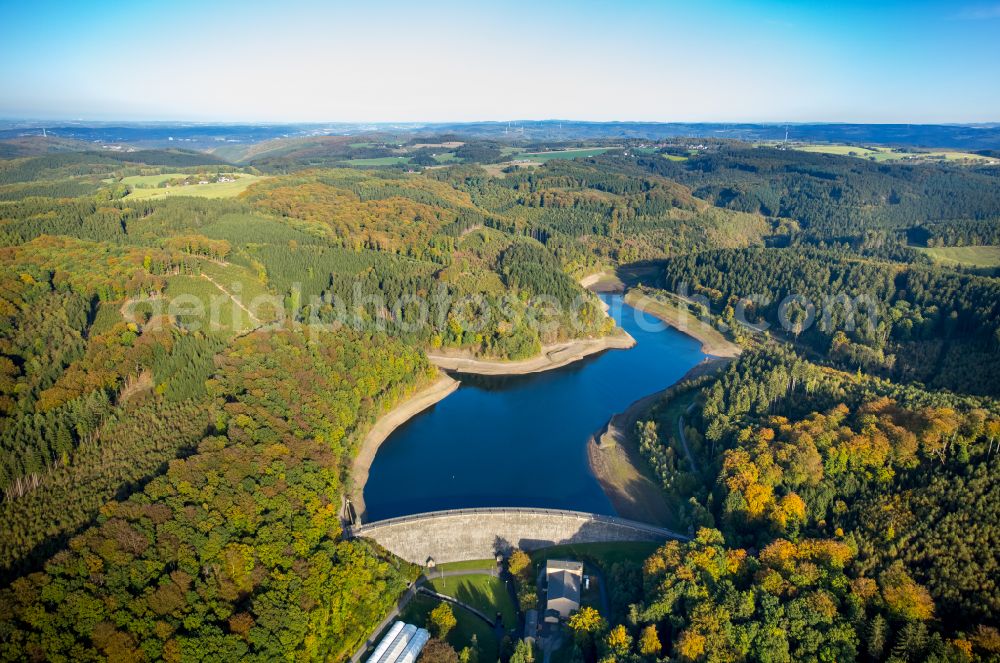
(186, 379)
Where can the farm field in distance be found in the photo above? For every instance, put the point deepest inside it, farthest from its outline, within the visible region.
(443, 158)
(891, 154)
(542, 157)
(971, 256)
(147, 187)
(377, 161)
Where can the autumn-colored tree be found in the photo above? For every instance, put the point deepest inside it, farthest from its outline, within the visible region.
(905, 598)
(438, 651)
(690, 645)
(987, 639)
(470, 654)
(527, 596)
(649, 641)
(618, 640)
(442, 620)
(518, 563)
(586, 622)
(524, 652)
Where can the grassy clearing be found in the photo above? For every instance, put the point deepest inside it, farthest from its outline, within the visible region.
(377, 161)
(968, 256)
(220, 312)
(418, 610)
(889, 154)
(601, 555)
(149, 181)
(484, 592)
(844, 150)
(216, 190)
(542, 157)
(469, 565)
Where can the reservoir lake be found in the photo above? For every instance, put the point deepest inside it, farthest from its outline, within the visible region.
(521, 440)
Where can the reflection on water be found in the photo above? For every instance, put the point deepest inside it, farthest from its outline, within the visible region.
(521, 440)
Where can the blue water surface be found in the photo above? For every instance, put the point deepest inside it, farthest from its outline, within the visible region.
(521, 440)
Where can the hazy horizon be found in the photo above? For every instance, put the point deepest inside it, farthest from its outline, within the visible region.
(51, 121)
(393, 62)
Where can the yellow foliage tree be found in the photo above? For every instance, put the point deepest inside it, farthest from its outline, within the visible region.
(586, 621)
(905, 598)
(690, 645)
(649, 642)
(618, 640)
(518, 563)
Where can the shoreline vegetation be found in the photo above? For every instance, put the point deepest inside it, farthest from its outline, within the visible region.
(713, 343)
(551, 357)
(403, 411)
(613, 452)
(619, 468)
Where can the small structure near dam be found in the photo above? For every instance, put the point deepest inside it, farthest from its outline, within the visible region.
(461, 534)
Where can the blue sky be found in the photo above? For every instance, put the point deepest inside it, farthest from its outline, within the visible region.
(705, 60)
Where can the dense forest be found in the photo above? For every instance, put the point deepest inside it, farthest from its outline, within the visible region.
(869, 505)
(185, 380)
(912, 322)
(236, 550)
(831, 196)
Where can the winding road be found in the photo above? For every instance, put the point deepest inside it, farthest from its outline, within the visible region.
(683, 438)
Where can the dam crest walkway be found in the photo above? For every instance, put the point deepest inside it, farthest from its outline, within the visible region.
(462, 534)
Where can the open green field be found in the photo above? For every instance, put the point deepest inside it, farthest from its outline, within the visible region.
(467, 565)
(602, 555)
(418, 610)
(377, 161)
(222, 313)
(484, 592)
(846, 150)
(542, 157)
(889, 154)
(147, 181)
(216, 190)
(969, 256)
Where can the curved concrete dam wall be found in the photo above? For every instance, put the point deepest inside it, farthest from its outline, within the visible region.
(461, 534)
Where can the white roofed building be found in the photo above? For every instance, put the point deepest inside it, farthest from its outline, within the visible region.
(402, 643)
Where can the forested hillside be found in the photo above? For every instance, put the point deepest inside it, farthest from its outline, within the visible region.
(911, 322)
(832, 196)
(236, 550)
(185, 381)
(850, 517)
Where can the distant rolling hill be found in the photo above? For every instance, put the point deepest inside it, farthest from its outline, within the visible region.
(234, 141)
